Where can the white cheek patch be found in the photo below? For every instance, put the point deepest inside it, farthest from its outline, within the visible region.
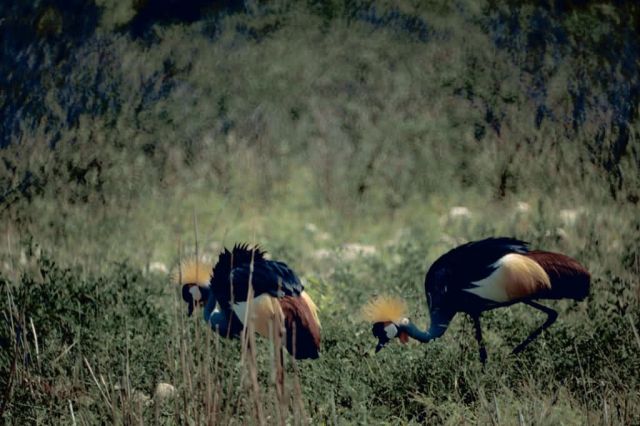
(195, 293)
(391, 331)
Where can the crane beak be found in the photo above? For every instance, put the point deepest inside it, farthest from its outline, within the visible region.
(381, 344)
(379, 332)
(187, 296)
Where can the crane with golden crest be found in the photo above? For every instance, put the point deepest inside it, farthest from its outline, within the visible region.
(244, 287)
(477, 277)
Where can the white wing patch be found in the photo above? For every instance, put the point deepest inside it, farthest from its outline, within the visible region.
(266, 314)
(491, 288)
(515, 276)
(240, 309)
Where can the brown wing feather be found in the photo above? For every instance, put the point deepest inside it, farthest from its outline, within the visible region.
(569, 279)
(303, 331)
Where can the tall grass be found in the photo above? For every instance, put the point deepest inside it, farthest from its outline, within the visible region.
(106, 355)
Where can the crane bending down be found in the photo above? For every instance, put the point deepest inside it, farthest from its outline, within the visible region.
(480, 276)
(248, 287)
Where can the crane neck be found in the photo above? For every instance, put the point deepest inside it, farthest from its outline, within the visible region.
(210, 306)
(217, 320)
(439, 324)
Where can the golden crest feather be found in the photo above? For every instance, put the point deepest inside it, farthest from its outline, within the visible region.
(384, 309)
(193, 271)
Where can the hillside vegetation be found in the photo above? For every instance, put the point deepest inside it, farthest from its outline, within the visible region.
(355, 140)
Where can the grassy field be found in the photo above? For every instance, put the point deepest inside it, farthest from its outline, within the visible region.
(357, 141)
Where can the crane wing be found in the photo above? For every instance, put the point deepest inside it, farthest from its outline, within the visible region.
(243, 264)
(514, 277)
(495, 269)
(268, 276)
(478, 259)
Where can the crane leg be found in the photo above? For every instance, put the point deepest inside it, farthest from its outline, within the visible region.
(280, 373)
(483, 350)
(278, 342)
(551, 318)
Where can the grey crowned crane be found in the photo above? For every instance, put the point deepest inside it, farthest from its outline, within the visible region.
(477, 277)
(246, 286)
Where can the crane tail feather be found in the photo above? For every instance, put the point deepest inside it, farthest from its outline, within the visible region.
(569, 279)
(302, 326)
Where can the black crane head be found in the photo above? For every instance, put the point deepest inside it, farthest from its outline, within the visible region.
(194, 277)
(387, 331)
(386, 312)
(194, 295)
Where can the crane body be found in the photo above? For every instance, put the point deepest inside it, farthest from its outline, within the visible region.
(488, 274)
(245, 286)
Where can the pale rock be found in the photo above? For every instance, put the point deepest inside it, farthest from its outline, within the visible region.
(312, 228)
(569, 216)
(352, 251)
(321, 254)
(158, 267)
(460, 212)
(164, 391)
(323, 236)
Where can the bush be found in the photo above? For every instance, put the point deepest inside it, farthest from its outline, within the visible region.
(57, 318)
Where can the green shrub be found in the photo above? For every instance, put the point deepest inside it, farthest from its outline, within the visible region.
(112, 321)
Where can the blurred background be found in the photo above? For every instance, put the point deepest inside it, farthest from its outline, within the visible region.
(355, 139)
(120, 119)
